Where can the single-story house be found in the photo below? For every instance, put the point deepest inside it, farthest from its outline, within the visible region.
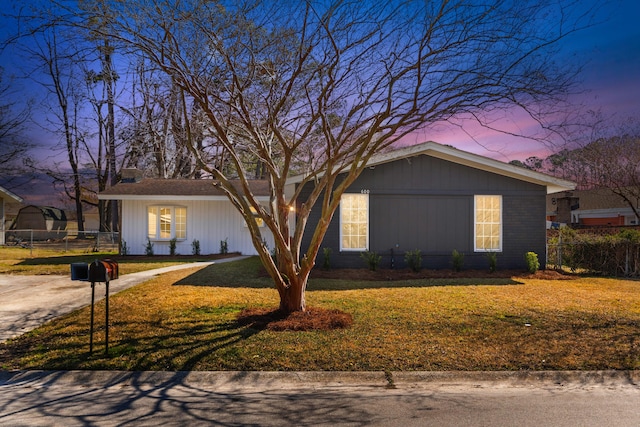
(430, 197)
(159, 210)
(6, 198)
(436, 198)
(599, 207)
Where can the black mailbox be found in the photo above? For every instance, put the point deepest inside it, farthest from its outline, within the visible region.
(103, 270)
(100, 270)
(80, 271)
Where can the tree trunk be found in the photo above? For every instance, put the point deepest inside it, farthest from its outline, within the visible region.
(78, 203)
(292, 297)
(109, 77)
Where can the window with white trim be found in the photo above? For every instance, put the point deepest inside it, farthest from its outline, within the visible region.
(257, 218)
(354, 222)
(488, 223)
(167, 222)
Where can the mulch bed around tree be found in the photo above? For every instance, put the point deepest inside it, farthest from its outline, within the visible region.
(313, 319)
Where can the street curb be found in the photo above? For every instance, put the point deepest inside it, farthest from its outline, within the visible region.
(603, 377)
(316, 379)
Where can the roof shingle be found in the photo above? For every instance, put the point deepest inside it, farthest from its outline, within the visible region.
(179, 187)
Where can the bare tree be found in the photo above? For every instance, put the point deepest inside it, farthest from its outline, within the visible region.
(161, 127)
(333, 83)
(13, 146)
(606, 156)
(61, 82)
(612, 163)
(98, 14)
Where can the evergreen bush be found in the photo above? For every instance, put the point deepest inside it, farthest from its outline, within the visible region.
(372, 259)
(457, 260)
(195, 247)
(413, 260)
(531, 259)
(148, 249)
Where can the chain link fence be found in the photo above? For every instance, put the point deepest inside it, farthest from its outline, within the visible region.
(610, 252)
(62, 241)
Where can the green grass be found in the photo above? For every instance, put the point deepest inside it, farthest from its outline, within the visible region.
(186, 320)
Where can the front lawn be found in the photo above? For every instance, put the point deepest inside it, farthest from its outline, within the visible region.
(187, 320)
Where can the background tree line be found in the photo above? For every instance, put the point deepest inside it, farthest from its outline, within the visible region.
(602, 162)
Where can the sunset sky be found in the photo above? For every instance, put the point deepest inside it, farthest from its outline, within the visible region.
(610, 51)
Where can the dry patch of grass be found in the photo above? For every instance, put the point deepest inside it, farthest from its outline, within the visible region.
(188, 320)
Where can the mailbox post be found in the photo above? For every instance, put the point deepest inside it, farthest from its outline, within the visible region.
(98, 271)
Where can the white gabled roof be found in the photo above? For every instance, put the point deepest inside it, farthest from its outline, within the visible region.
(465, 158)
(4, 193)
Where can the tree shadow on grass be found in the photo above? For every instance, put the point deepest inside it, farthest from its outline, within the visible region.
(63, 259)
(129, 259)
(173, 346)
(248, 274)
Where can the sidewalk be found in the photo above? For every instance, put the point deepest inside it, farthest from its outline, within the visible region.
(385, 399)
(30, 301)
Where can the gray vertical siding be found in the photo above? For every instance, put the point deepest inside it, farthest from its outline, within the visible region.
(427, 203)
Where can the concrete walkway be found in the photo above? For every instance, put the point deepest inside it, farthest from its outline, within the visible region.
(27, 302)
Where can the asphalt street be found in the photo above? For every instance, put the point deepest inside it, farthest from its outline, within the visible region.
(319, 399)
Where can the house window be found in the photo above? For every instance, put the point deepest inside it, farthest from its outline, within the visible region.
(167, 222)
(354, 222)
(488, 223)
(259, 221)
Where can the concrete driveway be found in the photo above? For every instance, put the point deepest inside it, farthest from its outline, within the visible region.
(27, 302)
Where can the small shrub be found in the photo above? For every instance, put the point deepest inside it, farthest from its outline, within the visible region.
(172, 246)
(531, 259)
(148, 249)
(224, 246)
(326, 264)
(372, 259)
(492, 257)
(195, 247)
(457, 260)
(124, 249)
(413, 260)
(630, 235)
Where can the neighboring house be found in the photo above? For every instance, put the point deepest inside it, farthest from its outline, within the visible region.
(436, 198)
(159, 210)
(6, 198)
(590, 208)
(91, 222)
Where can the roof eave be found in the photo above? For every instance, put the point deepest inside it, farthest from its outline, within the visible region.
(12, 198)
(454, 155)
(156, 197)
